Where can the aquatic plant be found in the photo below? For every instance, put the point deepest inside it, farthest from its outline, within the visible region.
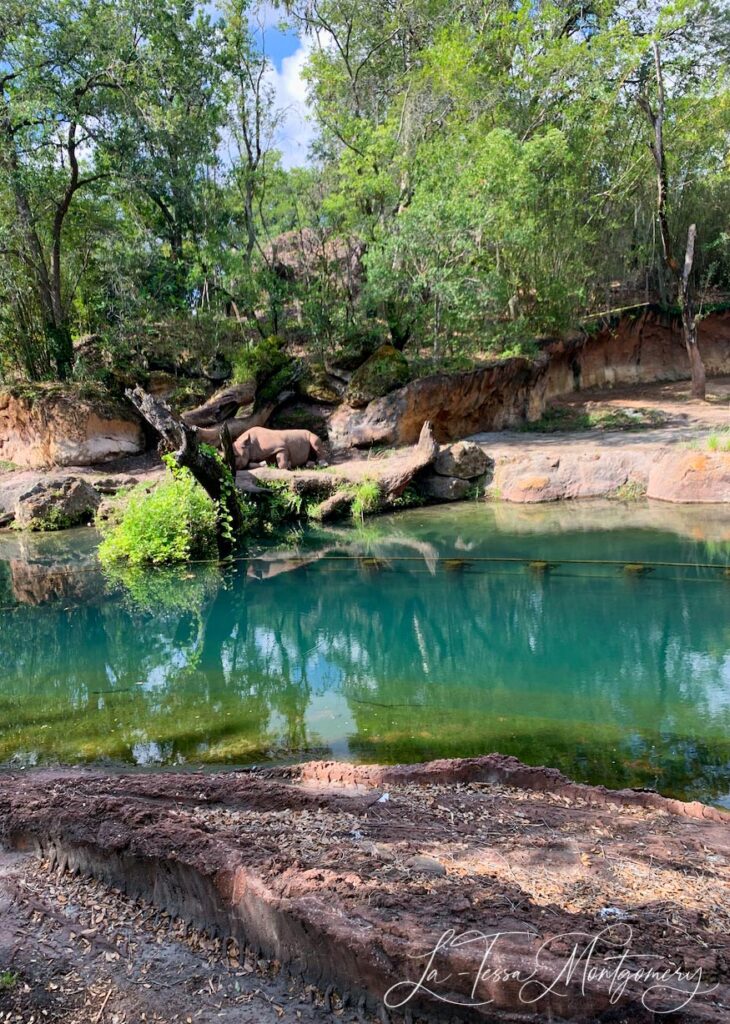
(366, 498)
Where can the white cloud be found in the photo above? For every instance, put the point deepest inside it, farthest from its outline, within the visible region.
(295, 129)
(265, 15)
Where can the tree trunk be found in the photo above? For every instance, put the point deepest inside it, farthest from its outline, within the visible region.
(681, 276)
(181, 441)
(238, 426)
(223, 405)
(689, 322)
(229, 456)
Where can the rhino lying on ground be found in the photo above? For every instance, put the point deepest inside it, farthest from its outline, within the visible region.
(290, 448)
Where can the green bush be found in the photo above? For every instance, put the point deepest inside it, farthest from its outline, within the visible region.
(268, 364)
(175, 522)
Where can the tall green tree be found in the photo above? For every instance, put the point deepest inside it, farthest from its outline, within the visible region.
(63, 69)
(166, 151)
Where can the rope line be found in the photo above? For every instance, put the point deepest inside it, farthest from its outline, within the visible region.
(466, 559)
(445, 570)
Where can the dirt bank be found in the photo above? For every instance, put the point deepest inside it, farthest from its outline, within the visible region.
(638, 348)
(685, 460)
(351, 876)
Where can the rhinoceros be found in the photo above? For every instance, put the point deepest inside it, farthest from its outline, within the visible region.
(290, 448)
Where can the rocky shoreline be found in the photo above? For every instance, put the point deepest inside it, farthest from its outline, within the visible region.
(516, 468)
(349, 876)
(62, 451)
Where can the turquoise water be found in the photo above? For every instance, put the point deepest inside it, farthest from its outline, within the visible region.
(555, 633)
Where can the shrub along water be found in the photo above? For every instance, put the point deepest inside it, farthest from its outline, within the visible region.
(174, 522)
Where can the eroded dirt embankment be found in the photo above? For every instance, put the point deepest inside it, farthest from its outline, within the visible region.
(316, 868)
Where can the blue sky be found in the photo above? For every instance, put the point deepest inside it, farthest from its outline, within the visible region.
(287, 53)
(281, 44)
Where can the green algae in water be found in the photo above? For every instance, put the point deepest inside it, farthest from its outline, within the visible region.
(427, 635)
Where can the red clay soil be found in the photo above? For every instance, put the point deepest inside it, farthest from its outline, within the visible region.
(461, 890)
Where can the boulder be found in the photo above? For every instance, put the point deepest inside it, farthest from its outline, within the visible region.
(547, 477)
(690, 476)
(320, 386)
(444, 488)
(458, 404)
(465, 459)
(56, 503)
(64, 426)
(385, 370)
(297, 255)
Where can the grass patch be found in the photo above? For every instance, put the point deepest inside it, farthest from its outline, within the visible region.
(564, 418)
(366, 499)
(8, 980)
(632, 490)
(719, 442)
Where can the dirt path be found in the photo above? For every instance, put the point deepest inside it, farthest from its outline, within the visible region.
(350, 876)
(76, 951)
(686, 421)
(672, 399)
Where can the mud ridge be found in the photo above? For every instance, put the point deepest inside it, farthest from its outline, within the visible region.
(350, 875)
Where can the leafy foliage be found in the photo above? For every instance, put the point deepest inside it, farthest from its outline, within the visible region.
(173, 522)
(480, 177)
(267, 364)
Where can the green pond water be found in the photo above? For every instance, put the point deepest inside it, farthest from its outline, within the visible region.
(423, 635)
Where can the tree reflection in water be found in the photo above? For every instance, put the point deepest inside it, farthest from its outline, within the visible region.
(396, 644)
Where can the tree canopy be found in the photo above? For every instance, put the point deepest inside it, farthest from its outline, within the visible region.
(482, 173)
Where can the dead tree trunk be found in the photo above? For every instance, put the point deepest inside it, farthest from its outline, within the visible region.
(181, 441)
(221, 406)
(689, 321)
(682, 277)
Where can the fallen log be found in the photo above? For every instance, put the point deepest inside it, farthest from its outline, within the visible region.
(221, 406)
(182, 442)
(402, 469)
(240, 424)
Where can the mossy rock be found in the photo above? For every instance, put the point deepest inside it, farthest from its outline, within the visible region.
(355, 349)
(300, 416)
(385, 370)
(316, 385)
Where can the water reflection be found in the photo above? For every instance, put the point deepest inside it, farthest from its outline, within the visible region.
(396, 643)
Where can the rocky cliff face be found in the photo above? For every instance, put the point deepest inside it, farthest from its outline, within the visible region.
(638, 349)
(61, 428)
